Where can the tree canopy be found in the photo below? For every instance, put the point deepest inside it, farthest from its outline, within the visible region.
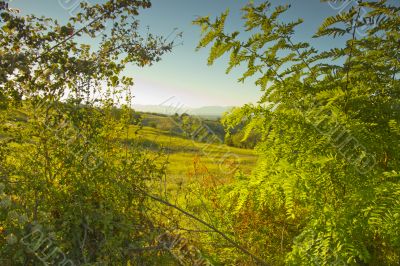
(70, 185)
(326, 189)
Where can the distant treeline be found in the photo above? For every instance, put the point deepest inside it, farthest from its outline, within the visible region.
(212, 130)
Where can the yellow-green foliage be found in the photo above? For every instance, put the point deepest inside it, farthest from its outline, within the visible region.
(71, 192)
(329, 155)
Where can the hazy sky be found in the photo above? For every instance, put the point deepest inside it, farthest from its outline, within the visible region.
(184, 73)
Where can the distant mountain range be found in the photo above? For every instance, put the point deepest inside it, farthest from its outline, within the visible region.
(212, 111)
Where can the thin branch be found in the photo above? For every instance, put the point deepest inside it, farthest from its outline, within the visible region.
(69, 37)
(348, 66)
(231, 241)
(299, 54)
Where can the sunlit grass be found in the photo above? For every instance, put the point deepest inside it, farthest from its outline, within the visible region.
(183, 153)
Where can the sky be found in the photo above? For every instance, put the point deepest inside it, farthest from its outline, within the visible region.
(183, 74)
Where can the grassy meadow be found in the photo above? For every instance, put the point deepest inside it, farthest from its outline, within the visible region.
(185, 155)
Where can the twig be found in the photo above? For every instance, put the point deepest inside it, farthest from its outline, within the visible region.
(236, 245)
(348, 66)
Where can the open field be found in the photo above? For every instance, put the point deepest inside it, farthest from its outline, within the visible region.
(183, 154)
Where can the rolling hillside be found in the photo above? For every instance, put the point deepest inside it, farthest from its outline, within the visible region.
(183, 153)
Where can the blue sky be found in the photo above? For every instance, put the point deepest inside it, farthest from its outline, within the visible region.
(184, 74)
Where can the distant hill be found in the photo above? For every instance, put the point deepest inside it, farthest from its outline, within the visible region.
(173, 125)
(210, 110)
(206, 111)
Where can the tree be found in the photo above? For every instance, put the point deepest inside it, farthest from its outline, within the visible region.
(70, 186)
(329, 154)
(237, 136)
